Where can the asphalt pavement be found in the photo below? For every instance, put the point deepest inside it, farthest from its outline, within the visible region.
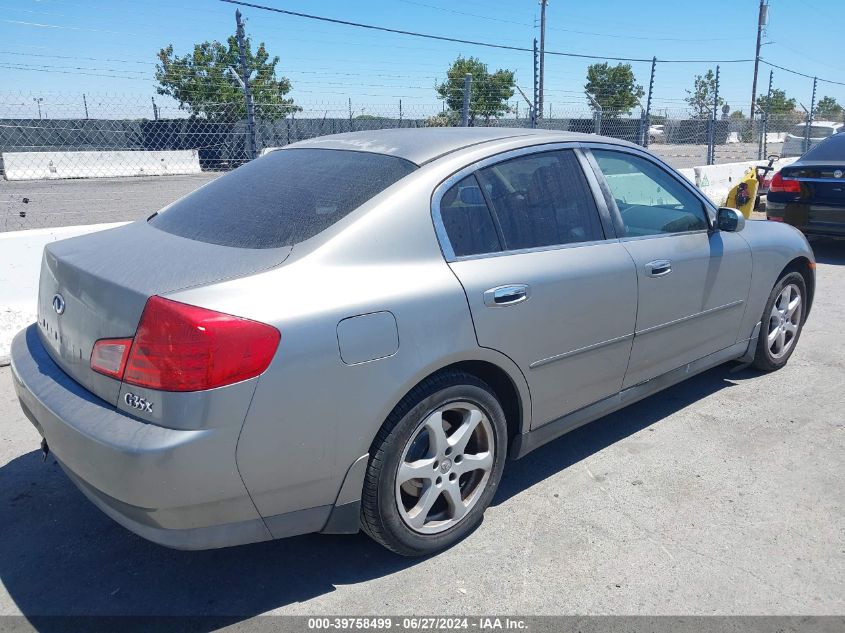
(722, 495)
(36, 204)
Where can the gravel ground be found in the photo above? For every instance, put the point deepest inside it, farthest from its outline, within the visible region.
(722, 495)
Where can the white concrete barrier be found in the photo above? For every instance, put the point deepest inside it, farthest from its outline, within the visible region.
(47, 165)
(688, 173)
(20, 266)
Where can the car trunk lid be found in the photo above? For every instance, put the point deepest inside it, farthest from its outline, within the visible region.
(96, 286)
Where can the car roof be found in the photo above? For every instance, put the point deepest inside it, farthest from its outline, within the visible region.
(822, 124)
(422, 145)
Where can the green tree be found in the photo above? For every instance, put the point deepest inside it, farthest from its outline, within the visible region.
(614, 87)
(203, 81)
(829, 109)
(700, 98)
(737, 115)
(777, 104)
(489, 93)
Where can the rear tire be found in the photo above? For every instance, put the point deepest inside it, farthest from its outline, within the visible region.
(781, 322)
(435, 465)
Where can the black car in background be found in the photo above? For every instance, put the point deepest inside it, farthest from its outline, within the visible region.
(809, 194)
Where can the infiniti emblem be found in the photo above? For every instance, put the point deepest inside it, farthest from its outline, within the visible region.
(58, 303)
(837, 173)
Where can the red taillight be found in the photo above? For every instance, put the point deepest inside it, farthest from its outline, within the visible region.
(109, 356)
(180, 347)
(780, 184)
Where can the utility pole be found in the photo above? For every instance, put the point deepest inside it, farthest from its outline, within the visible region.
(543, 4)
(762, 20)
(245, 73)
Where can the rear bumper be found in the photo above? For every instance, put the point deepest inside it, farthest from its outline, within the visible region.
(809, 219)
(179, 488)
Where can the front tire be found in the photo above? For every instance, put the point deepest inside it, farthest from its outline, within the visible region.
(782, 322)
(435, 465)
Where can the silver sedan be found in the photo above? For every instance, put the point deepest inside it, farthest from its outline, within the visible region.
(357, 330)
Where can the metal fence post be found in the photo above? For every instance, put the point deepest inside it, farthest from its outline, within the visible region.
(810, 116)
(85, 103)
(245, 72)
(711, 138)
(764, 132)
(350, 114)
(467, 91)
(536, 85)
(597, 112)
(647, 124)
(400, 112)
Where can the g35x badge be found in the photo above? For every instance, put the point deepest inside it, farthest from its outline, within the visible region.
(137, 402)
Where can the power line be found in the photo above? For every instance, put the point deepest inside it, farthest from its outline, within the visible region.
(42, 25)
(91, 59)
(457, 40)
(557, 28)
(795, 72)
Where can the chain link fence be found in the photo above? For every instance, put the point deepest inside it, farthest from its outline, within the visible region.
(100, 158)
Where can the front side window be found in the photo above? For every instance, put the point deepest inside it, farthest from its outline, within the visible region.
(283, 198)
(650, 200)
(542, 199)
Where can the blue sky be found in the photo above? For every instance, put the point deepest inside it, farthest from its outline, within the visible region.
(63, 48)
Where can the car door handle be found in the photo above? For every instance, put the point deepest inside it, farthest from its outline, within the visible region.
(658, 268)
(506, 295)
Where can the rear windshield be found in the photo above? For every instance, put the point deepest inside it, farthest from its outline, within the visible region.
(283, 198)
(832, 148)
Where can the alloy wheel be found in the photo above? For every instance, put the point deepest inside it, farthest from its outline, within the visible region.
(784, 320)
(445, 467)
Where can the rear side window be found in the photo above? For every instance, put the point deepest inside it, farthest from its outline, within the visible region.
(467, 219)
(832, 148)
(542, 199)
(283, 198)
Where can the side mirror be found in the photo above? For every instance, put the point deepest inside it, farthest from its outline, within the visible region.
(730, 220)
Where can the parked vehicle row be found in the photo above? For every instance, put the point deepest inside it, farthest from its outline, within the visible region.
(800, 139)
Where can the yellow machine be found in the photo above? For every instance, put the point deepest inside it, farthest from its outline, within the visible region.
(744, 193)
